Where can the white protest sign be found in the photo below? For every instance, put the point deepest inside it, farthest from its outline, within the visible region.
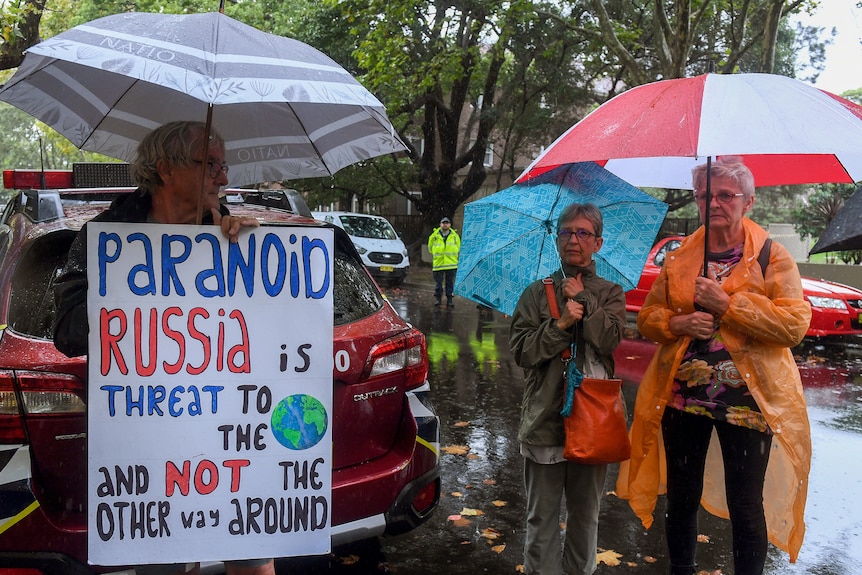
(210, 393)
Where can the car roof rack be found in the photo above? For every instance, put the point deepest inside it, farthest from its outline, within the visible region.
(285, 199)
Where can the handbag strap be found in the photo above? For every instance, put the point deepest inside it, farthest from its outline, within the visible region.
(555, 310)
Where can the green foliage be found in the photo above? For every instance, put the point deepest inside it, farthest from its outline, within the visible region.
(854, 95)
(29, 144)
(821, 206)
(461, 77)
(818, 209)
(775, 205)
(367, 183)
(13, 19)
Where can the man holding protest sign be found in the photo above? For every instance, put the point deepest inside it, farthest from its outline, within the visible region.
(168, 172)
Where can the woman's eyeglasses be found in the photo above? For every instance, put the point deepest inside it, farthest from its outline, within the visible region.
(215, 168)
(580, 234)
(722, 197)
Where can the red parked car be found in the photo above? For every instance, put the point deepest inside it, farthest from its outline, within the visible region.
(836, 309)
(386, 473)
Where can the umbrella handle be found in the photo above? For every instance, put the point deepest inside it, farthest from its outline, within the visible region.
(206, 145)
(708, 200)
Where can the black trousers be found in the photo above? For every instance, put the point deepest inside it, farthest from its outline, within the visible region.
(441, 277)
(745, 453)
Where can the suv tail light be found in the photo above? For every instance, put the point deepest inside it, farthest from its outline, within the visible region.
(405, 352)
(43, 394)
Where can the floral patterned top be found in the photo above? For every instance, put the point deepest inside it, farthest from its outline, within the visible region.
(707, 381)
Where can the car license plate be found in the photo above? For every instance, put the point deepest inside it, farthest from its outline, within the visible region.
(386, 268)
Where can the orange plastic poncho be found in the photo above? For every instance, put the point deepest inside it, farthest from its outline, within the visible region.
(767, 316)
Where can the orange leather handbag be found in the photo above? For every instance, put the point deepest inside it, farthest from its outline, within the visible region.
(596, 430)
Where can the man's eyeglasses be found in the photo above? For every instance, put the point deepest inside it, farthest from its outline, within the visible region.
(722, 197)
(215, 168)
(566, 235)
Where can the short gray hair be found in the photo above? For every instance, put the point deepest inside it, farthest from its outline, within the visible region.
(175, 143)
(730, 167)
(589, 211)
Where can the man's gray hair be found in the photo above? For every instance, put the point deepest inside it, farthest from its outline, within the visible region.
(589, 211)
(175, 143)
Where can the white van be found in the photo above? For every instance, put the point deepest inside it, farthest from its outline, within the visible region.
(382, 251)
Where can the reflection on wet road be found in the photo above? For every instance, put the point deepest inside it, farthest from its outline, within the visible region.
(477, 390)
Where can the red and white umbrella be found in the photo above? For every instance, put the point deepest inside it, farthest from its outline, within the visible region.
(786, 132)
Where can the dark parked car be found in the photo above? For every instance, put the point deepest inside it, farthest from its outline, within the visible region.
(386, 475)
(836, 309)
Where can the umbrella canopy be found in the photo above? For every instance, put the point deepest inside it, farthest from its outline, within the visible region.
(844, 232)
(509, 238)
(285, 109)
(786, 131)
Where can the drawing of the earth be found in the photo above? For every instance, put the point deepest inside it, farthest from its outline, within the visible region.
(299, 422)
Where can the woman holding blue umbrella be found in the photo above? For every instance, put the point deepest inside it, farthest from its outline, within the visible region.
(592, 316)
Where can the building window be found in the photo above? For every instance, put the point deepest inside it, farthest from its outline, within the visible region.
(488, 161)
(418, 143)
(488, 158)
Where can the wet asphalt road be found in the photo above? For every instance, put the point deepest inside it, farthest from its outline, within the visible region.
(476, 390)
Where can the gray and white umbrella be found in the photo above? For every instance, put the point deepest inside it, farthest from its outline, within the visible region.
(285, 109)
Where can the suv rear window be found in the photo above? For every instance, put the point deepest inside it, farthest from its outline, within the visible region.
(31, 304)
(354, 296)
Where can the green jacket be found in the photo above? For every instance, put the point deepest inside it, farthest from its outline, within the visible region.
(444, 251)
(537, 343)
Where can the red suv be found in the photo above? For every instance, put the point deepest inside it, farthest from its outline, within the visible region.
(836, 309)
(386, 474)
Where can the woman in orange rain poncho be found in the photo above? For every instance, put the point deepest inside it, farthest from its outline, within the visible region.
(723, 375)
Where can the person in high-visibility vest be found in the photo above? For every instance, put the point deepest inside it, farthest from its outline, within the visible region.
(444, 244)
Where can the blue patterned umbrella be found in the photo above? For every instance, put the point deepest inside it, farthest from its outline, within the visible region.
(509, 238)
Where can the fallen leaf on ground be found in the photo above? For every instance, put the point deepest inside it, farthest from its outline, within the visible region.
(701, 538)
(453, 518)
(461, 522)
(457, 494)
(490, 533)
(490, 482)
(498, 548)
(519, 568)
(461, 424)
(472, 512)
(349, 559)
(455, 449)
(631, 564)
(650, 559)
(611, 558)
(473, 456)
(498, 503)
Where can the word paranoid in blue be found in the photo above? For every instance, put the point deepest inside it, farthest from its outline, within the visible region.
(279, 266)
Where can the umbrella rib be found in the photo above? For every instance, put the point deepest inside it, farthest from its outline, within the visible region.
(106, 116)
(310, 141)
